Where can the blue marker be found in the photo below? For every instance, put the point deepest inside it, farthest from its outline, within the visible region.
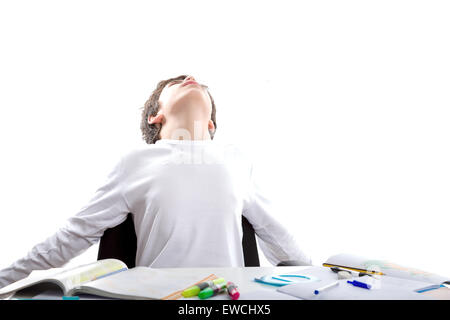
(360, 284)
(331, 285)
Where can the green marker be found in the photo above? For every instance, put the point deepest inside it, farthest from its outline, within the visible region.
(195, 290)
(212, 290)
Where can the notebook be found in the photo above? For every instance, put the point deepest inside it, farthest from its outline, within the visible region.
(109, 278)
(359, 263)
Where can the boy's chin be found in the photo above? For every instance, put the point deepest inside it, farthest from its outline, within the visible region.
(193, 102)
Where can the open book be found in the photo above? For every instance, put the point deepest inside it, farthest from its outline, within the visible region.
(112, 279)
(383, 267)
(388, 281)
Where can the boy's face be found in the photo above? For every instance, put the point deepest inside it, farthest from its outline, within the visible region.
(181, 94)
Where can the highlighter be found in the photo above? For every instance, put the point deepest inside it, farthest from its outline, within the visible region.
(232, 290)
(195, 290)
(212, 290)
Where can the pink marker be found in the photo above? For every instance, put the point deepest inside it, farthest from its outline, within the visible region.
(232, 290)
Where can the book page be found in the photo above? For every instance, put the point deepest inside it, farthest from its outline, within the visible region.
(141, 283)
(32, 279)
(77, 276)
(386, 267)
(68, 279)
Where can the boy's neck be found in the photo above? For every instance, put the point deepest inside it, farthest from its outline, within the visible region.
(185, 130)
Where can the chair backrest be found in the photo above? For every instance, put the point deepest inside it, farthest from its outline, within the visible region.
(120, 243)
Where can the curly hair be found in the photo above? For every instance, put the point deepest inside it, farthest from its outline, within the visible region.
(151, 132)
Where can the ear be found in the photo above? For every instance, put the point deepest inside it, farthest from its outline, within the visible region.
(155, 119)
(211, 126)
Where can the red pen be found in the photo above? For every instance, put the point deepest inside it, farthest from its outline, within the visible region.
(232, 290)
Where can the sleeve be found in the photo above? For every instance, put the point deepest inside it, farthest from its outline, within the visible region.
(276, 242)
(106, 209)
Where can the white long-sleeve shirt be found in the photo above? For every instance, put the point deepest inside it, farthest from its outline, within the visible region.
(186, 197)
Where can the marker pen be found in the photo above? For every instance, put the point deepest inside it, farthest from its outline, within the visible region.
(352, 273)
(232, 291)
(360, 284)
(212, 290)
(361, 272)
(328, 286)
(195, 290)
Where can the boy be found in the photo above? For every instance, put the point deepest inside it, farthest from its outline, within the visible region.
(186, 194)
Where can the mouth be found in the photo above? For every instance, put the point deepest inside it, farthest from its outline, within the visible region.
(189, 82)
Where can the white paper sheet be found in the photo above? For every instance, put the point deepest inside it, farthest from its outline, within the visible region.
(387, 288)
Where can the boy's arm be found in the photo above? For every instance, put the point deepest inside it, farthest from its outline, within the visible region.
(106, 209)
(277, 243)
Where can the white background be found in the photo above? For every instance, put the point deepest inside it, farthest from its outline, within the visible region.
(343, 105)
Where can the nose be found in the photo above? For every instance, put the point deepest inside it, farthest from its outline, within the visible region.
(190, 78)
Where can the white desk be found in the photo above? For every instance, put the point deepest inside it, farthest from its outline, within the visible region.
(251, 290)
(242, 277)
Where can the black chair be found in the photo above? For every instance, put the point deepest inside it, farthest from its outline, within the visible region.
(120, 243)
